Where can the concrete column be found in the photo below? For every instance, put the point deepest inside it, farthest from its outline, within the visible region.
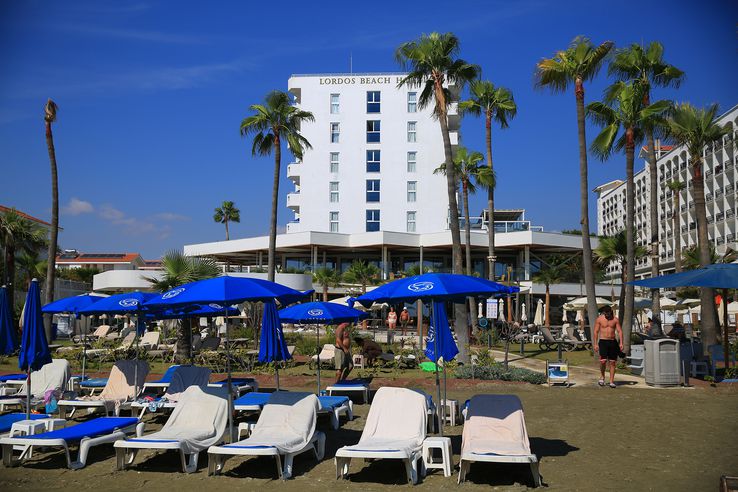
(314, 257)
(325, 262)
(421, 260)
(385, 266)
(526, 262)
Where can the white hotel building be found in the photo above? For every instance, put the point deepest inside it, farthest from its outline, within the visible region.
(721, 177)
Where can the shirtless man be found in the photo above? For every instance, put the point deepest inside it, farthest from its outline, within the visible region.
(344, 364)
(605, 343)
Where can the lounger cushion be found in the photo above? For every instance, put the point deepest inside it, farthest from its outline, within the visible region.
(495, 424)
(12, 377)
(254, 398)
(331, 402)
(7, 420)
(91, 428)
(167, 376)
(94, 383)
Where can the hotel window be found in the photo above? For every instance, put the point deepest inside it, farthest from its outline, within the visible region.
(412, 158)
(372, 190)
(372, 131)
(335, 132)
(372, 220)
(334, 191)
(411, 222)
(412, 102)
(412, 188)
(373, 161)
(334, 162)
(335, 104)
(373, 101)
(411, 129)
(333, 219)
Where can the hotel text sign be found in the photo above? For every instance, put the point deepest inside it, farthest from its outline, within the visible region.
(359, 80)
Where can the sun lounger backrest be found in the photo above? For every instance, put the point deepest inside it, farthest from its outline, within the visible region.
(327, 352)
(495, 424)
(150, 338)
(184, 377)
(201, 410)
(101, 331)
(396, 414)
(128, 341)
(53, 375)
(125, 377)
(210, 343)
(167, 376)
(547, 336)
(288, 417)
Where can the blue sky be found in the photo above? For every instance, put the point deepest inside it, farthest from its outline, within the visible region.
(151, 95)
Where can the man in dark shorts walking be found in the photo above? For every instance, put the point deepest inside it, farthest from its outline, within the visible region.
(343, 361)
(606, 326)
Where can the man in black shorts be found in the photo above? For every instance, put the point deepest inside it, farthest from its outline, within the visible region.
(343, 361)
(606, 327)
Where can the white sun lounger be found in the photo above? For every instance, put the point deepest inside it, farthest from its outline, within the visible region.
(199, 421)
(390, 433)
(350, 386)
(51, 376)
(494, 431)
(91, 433)
(286, 427)
(182, 378)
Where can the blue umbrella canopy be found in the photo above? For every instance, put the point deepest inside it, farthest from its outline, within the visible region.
(716, 276)
(440, 340)
(34, 352)
(8, 338)
(71, 304)
(434, 286)
(273, 346)
(321, 313)
(126, 303)
(195, 311)
(226, 290)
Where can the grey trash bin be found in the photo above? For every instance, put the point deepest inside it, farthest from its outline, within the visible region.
(662, 362)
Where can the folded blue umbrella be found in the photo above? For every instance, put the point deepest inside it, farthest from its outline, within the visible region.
(34, 352)
(272, 347)
(8, 338)
(440, 343)
(71, 304)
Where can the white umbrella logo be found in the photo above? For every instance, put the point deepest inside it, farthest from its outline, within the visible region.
(213, 305)
(128, 302)
(420, 286)
(173, 293)
(315, 312)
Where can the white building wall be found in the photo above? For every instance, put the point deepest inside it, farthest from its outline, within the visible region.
(311, 198)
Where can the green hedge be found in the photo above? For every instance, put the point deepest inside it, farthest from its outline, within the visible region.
(497, 372)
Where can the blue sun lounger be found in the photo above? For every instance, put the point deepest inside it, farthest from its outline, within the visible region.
(7, 420)
(93, 384)
(163, 383)
(333, 405)
(240, 385)
(12, 377)
(91, 433)
(350, 386)
(251, 402)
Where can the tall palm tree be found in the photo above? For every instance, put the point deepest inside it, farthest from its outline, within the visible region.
(226, 213)
(615, 249)
(697, 128)
(361, 272)
(18, 234)
(327, 277)
(49, 118)
(271, 122)
(552, 272)
(577, 64)
(495, 103)
(691, 257)
(623, 109)
(180, 269)
(646, 67)
(432, 64)
(31, 266)
(676, 187)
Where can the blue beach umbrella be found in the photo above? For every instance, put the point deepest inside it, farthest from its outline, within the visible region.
(716, 276)
(126, 303)
(272, 346)
(320, 313)
(8, 338)
(206, 311)
(34, 352)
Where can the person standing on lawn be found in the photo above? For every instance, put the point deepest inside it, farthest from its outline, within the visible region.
(343, 361)
(404, 319)
(606, 327)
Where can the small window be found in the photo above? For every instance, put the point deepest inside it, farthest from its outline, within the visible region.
(372, 190)
(411, 222)
(412, 158)
(372, 131)
(372, 220)
(412, 102)
(373, 161)
(411, 131)
(412, 190)
(333, 220)
(335, 104)
(335, 132)
(373, 101)
(334, 162)
(334, 191)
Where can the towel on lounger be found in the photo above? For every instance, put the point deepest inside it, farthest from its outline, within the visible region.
(126, 377)
(495, 424)
(183, 378)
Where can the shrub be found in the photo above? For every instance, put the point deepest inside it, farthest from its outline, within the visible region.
(497, 372)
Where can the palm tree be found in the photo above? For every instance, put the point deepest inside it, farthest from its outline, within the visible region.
(623, 109)
(676, 187)
(552, 272)
(49, 118)
(432, 64)
(577, 64)
(496, 103)
(697, 128)
(691, 257)
(361, 272)
(18, 234)
(273, 121)
(327, 277)
(226, 213)
(646, 67)
(615, 249)
(31, 266)
(180, 269)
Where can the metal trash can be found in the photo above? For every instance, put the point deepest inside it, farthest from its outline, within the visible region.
(662, 364)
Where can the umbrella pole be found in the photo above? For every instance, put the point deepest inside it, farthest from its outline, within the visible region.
(229, 382)
(84, 350)
(438, 381)
(28, 393)
(317, 352)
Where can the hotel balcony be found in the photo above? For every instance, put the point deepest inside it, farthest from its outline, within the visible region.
(293, 172)
(293, 225)
(293, 201)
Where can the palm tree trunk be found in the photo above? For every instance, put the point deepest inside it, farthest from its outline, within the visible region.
(275, 200)
(677, 233)
(490, 201)
(325, 292)
(184, 341)
(708, 331)
(587, 266)
(227, 235)
(460, 309)
(548, 306)
(467, 231)
(653, 219)
(623, 279)
(54, 232)
(627, 323)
